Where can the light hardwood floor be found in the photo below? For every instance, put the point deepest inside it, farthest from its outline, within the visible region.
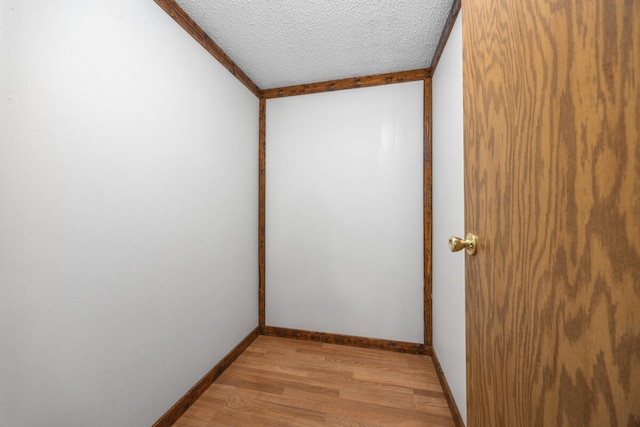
(286, 382)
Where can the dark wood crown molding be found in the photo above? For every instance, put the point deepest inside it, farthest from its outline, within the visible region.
(189, 25)
(350, 83)
(448, 26)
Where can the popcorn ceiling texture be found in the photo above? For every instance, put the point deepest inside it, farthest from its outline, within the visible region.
(285, 42)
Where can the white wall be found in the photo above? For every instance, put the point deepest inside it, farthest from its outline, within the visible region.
(448, 217)
(344, 212)
(128, 206)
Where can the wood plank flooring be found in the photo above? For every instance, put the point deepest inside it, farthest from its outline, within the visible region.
(286, 382)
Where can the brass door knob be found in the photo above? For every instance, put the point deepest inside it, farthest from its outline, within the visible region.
(470, 244)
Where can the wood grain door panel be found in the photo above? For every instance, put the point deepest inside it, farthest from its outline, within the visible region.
(552, 189)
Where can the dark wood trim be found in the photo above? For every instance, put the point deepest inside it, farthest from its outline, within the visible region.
(453, 407)
(427, 212)
(451, 19)
(261, 209)
(189, 25)
(354, 341)
(181, 406)
(350, 83)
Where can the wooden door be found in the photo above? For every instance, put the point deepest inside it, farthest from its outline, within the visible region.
(552, 189)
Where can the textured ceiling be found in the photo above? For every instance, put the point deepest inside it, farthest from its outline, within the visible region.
(285, 42)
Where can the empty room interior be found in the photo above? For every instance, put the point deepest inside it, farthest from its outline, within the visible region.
(237, 213)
